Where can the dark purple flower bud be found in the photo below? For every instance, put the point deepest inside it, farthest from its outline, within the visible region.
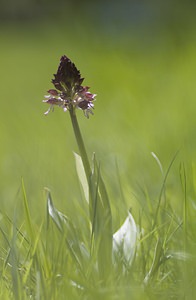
(53, 92)
(67, 75)
(83, 104)
(53, 101)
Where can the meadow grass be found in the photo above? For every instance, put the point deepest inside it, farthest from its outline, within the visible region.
(145, 103)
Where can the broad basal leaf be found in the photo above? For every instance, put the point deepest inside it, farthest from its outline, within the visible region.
(81, 175)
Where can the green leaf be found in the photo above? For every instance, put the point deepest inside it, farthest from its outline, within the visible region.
(27, 212)
(81, 175)
(58, 218)
(69, 234)
(157, 260)
(101, 218)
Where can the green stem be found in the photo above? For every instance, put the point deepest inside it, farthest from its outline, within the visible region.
(80, 142)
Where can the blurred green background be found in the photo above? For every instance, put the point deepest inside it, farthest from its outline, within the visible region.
(137, 56)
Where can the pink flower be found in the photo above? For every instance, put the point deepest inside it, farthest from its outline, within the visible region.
(68, 93)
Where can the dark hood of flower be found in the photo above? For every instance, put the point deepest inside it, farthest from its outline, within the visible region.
(68, 92)
(67, 75)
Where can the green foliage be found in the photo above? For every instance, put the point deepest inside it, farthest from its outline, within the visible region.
(59, 258)
(146, 102)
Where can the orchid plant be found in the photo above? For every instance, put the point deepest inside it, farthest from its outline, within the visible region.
(110, 249)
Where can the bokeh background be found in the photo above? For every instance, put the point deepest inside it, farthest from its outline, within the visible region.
(138, 57)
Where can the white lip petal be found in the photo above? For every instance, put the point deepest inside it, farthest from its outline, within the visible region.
(47, 112)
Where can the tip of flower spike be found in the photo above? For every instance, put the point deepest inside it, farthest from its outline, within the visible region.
(67, 75)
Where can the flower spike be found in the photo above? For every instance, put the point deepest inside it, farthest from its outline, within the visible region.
(68, 93)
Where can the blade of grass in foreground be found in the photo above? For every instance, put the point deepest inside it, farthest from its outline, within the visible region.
(69, 236)
(101, 221)
(162, 191)
(16, 280)
(27, 212)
